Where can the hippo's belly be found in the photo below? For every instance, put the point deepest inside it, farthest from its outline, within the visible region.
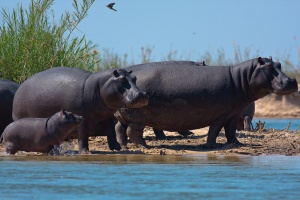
(176, 116)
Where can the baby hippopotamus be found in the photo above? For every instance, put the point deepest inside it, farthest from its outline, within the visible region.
(39, 134)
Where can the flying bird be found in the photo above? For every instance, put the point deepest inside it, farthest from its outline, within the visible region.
(110, 6)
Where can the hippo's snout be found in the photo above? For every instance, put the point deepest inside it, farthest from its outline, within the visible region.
(285, 86)
(137, 100)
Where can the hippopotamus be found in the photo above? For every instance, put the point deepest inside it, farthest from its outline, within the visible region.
(7, 92)
(39, 134)
(246, 117)
(94, 96)
(185, 97)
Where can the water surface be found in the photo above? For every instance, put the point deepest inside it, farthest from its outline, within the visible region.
(149, 177)
(279, 123)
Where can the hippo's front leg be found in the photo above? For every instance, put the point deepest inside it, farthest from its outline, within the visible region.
(83, 138)
(135, 133)
(111, 136)
(230, 131)
(213, 133)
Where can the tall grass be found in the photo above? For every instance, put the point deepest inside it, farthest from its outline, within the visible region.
(32, 40)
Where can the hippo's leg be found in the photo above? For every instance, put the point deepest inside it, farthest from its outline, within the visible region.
(185, 133)
(121, 134)
(159, 134)
(111, 136)
(230, 131)
(135, 133)
(9, 149)
(83, 138)
(247, 122)
(213, 133)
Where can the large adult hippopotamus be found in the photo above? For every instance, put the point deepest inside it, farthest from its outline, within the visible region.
(94, 96)
(7, 92)
(185, 97)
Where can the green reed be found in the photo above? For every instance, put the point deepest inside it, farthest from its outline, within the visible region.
(32, 40)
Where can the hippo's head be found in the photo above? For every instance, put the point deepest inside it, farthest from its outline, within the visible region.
(267, 78)
(120, 90)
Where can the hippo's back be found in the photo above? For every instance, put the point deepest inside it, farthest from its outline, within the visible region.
(49, 91)
(183, 79)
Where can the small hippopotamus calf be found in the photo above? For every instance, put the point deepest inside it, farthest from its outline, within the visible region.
(39, 134)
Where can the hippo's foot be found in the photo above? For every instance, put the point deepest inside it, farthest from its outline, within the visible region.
(235, 143)
(159, 134)
(115, 146)
(142, 146)
(124, 147)
(10, 152)
(185, 133)
(84, 151)
(212, 145)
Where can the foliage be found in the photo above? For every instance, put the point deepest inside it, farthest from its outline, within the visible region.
(31, 40)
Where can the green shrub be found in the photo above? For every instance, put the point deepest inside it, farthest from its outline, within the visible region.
(31, 40)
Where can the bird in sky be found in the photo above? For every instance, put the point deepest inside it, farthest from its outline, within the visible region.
(110, 6)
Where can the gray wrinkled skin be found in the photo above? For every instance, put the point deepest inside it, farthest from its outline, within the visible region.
(185, 97)
(39, 134)
(94, 96)
(7, 92)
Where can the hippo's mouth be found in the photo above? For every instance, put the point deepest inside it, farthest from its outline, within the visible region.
(285, 88)
(137, 101)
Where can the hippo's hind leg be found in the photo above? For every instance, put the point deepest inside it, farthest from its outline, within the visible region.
(230, 131)
(159, 134)
(135, 133)
(121, 134)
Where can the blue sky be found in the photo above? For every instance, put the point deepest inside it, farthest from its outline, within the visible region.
(192, 27)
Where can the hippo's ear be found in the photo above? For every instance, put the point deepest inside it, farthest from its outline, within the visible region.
(130, 72)
(115, 73)
(62, 112)
(260, 61)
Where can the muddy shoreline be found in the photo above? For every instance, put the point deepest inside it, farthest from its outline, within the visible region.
(262, 142)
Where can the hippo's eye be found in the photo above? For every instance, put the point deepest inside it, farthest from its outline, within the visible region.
(133, 79)
(279, 67)
(269, 66)
(122, 79)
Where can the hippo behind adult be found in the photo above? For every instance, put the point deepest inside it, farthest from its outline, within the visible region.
(94, 96)
(185, 97)
(7, 92)
(245, 120)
